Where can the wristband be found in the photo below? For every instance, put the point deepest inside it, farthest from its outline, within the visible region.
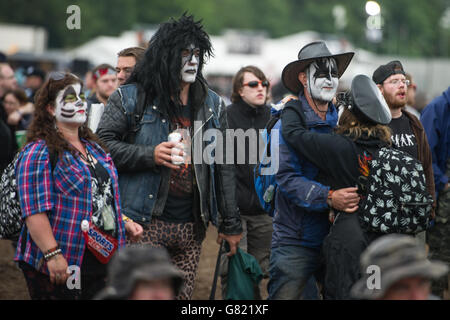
(51, 250)
(330, 198)
(50, 255)
(126, 219)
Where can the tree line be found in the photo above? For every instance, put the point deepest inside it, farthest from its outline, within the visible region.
(410, 27)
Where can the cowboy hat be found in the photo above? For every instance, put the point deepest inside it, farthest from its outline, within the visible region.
(309, 53)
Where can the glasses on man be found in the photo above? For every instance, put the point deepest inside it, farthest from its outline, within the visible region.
(254, 84)
(397, 82)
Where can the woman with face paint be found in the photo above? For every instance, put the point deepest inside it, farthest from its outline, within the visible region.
(68, 189)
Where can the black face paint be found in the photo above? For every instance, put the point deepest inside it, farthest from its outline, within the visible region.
(326, 68)
(69, 113)
(69, 91)
(188, 53)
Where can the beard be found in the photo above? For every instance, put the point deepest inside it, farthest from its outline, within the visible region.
(395, 103)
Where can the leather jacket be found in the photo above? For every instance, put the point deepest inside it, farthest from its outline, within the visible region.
(144, 186)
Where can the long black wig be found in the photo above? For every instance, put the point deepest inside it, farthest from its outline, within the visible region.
(159, 71)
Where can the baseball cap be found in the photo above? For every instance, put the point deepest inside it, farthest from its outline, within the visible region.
(386, 70)
(33, 71)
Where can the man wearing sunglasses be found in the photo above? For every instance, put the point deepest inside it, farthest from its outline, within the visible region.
(249, 113)
(408, 133)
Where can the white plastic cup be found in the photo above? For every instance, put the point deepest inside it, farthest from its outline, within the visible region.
(176, 159)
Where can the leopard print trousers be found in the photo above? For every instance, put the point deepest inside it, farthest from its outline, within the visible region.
(184, 250)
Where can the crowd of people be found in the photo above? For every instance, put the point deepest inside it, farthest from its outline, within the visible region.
(128, 199)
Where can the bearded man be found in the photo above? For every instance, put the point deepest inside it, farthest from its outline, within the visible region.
(173, 198)
(408, 133)
(303, 199)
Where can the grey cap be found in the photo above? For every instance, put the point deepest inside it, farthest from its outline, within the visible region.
(369, 101)
(310, 52)
(398, 257)
(138, 263)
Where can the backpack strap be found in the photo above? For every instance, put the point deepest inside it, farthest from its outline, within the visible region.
(293, 104)
(53, 160)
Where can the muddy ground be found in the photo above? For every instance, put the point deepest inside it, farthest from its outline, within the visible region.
(13, 286)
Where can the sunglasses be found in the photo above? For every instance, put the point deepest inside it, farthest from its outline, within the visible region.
(254, 84)
(57, 76)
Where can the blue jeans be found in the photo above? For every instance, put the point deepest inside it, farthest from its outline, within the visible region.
(291, 270)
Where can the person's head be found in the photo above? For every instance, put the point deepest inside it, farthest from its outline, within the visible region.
(7, 79)
(395, 267)
(173, 60)
(105, 80)
(126, 60)
(250, 85)
(35, 78)
(391, 80)
(142, 273)
(89, 83)
(316, 72)
(13, 99)
(365, 112)
(411, 92)
(59, 103)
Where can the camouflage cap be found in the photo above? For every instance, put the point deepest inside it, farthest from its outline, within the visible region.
(138, 263)
(398, 257)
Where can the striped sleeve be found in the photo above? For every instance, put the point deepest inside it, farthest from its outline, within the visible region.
(34, 181)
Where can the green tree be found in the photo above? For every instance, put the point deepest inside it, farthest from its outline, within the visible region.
(410, 27)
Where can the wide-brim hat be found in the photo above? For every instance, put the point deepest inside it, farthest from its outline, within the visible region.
(309, 53)
(133, 264)
(427, 269)
(397, 257)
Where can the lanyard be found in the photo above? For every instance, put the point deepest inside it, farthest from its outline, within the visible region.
(90, 161)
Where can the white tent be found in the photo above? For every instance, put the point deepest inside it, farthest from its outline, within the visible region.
(431, 75)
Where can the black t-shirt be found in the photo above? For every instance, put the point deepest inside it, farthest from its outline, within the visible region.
(103, 200)
(179, 203)
(403, 137)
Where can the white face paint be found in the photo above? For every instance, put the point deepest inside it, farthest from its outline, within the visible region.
(190, 58)
(322, 79)
(71, 105)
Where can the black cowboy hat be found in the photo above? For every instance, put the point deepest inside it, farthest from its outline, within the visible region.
(309, 53)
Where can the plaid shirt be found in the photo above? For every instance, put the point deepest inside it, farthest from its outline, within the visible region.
(66, 198)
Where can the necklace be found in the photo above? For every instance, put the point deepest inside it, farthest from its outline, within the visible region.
(87, 158)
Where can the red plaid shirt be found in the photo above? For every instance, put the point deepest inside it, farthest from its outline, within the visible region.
(66, 198)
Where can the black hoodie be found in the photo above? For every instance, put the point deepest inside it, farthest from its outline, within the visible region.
(240, 115)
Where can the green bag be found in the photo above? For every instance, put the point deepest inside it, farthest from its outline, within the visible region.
(244, 274)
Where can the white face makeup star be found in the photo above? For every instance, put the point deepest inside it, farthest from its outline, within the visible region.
(190, 58)
(323, 79)
(71, 105)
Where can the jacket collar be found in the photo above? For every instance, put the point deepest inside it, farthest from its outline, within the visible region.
(248, 110)
(312, 118)
(412, 119)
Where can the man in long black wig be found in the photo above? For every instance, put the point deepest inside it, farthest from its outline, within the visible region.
(164, 185)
